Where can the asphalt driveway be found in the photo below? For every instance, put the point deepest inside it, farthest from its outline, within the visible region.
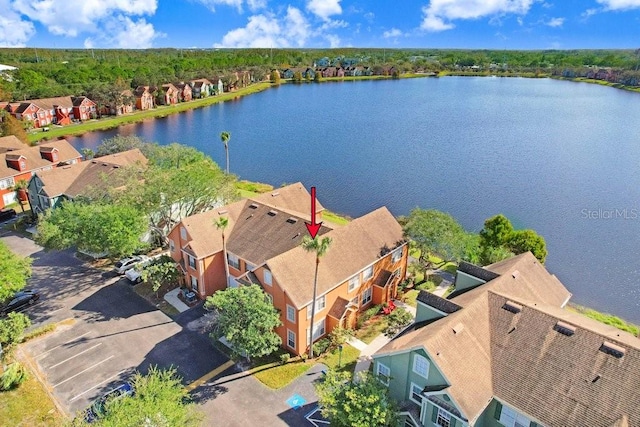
(108, 330)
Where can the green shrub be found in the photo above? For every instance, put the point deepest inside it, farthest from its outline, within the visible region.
(368, 314)
(321, 346)
(339, 336)
(15, 375)
(284, 358)
(398, 319)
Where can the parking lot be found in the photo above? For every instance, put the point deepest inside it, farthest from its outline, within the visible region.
(107, 331)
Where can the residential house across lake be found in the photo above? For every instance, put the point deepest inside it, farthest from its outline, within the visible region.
(365, 262)
(503, 350)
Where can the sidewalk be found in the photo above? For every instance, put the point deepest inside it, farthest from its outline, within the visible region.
(172, 298)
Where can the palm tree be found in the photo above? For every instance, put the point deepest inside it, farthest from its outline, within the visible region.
(320, 247)
(221, 224)
(225, 137)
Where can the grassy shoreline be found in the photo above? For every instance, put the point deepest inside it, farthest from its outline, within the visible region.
(139, 116)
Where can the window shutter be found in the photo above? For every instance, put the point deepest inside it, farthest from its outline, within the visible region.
(434, 415)
(498, 411)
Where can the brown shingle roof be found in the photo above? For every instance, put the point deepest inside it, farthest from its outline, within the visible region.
(34, 158)
(354, 247)
(499, 353)
(292, 198)
(11, 142)
(128, 157)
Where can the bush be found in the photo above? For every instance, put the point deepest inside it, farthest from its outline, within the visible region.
(321, 346)
(15, 375)
(339, 336)
(368, 314)
(398, 319)
(284, 358)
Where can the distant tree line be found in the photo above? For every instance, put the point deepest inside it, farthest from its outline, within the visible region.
(58, 72)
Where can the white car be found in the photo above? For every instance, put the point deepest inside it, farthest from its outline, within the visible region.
(134, 275)
(125, 264)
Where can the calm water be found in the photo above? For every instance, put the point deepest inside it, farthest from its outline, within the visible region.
(562, 158)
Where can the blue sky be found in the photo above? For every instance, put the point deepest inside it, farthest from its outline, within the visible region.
(497, 24)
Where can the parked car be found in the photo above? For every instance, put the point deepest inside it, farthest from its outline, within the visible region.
(7, 214)
(19, 300)
(134, 275)
(97, 409)
(125, 264)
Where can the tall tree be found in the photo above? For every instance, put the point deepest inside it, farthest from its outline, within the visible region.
(14, 272)
(221, 224)
(225, 137)
(320, 246)
(364, 402)
(528, 240)
(9, 125)
(497, 231)
(246, 318)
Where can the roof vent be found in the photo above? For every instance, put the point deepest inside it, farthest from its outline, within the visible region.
(612, 349)
(597, 377)
(512, 307)
(222, 212)
(272, 213)
(515, 274)
(275, 194)
(292, 220)
(458, 328)
(253, 206)
(565, 328)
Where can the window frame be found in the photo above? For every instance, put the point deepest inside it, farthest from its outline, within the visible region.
(354, 283)
(381, 376)
(192, 262)
(322, 299)
(293, 310)
(183, 233)
(194, 280)
(172, 246)
(367, 293)
(367, 273)
(396, 255)
(411, 393)
(233, 261)
(289, 333)
(417, 358)
(443, 418)
(267, 277)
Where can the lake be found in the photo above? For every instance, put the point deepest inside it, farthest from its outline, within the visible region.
(562, 158)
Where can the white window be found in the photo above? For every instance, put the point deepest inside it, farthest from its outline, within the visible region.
(443, 418)
(416, 393)
(194, 284)
(6, 183)
(321, 303)
(308, 312)
(249, 267)
(354, 282)
(420, 365)
(397, 255)
(183, 233)
(367, 274)
(172, 246)
(233, 261)
(318, 330)
(192, 262)
(384, 373)
(291, 339)
(267, 277)
(510, 418)
(291, 314)
(366, 296)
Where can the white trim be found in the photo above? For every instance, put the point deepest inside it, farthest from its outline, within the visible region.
(567, 300)
(503, 403)
(419, 393)
(378, 365)
(294, 313)
(289, 331)
(266, 271)
(452, 415)
(416, 358)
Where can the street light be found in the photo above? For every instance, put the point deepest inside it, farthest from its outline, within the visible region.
(340, 356)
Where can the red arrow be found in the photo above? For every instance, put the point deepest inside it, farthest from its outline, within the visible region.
(313, 228)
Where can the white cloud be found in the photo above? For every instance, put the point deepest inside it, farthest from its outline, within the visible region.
(267, 30)
(14, 32)
(392, 33)
(131, 34)
(324, 8)
(620, 4)
(555, 22)
(369, 16)
(334, 23)
(588, 13)
(520, 20)
(253, 5)
(334, 40)
(438, 14)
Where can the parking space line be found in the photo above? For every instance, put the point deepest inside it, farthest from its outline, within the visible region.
(75, 355)
(95, 386)
(197, 383)
(83, 371)
(60, 345)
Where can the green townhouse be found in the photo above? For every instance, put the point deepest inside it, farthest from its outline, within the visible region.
(503, 350)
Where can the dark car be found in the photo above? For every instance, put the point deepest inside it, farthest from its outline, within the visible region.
(19, 300)
(97, 410)
(7, 214)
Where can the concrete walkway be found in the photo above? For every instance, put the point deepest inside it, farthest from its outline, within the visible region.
(368, 350)
(172, 298)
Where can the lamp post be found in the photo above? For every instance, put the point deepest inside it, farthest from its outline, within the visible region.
(340, 356)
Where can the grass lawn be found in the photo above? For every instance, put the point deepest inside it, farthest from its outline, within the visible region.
(28, 405)
(607, 319)
(410, 297)
(138, 116)
(370, 330)
(348, 361)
